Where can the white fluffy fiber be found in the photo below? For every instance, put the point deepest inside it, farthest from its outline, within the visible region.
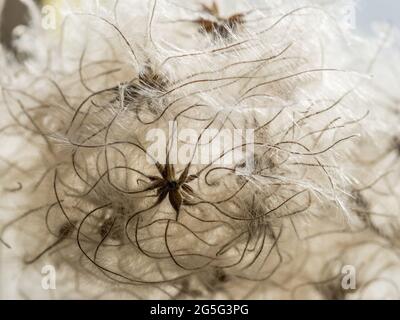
(323, 194)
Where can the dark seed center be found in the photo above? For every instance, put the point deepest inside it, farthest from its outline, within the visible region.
(172, 185)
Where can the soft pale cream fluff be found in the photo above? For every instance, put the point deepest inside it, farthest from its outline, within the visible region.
(79, 193)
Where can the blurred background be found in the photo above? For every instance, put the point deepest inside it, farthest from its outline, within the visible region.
(368, 12)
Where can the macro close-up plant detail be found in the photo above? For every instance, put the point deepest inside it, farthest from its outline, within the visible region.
(170, 149)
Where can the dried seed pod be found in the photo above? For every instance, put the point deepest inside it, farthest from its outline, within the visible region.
(218, 26)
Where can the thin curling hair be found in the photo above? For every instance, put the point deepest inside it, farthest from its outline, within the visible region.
(302, 204)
